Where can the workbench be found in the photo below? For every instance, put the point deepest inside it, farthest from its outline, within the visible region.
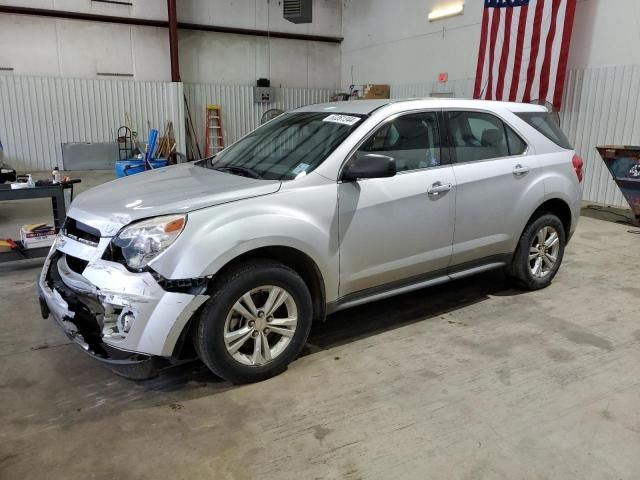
(56, 193)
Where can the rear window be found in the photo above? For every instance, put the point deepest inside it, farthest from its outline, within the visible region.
(543, 123)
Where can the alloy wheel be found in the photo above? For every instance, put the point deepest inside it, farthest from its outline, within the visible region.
(543, 252)
(260, 325)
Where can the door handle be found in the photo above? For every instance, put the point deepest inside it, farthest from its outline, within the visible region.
(519, 170)
(438, 188)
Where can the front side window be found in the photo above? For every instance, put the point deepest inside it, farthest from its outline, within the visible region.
(413, 140)
(288, 147)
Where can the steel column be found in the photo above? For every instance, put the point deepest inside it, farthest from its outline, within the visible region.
(173, 40)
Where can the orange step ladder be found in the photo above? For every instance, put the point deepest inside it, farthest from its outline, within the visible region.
(213, 134)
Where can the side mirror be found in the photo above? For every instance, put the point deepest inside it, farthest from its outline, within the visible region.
(370, 165)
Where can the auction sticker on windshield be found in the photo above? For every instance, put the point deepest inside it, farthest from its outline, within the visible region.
(302, 167)
(343, 119)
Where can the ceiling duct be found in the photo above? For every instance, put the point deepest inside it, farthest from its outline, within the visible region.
(297, 11)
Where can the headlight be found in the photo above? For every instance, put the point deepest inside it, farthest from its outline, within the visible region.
(141, 242)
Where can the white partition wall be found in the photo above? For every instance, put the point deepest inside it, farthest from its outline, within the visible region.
(38, 114)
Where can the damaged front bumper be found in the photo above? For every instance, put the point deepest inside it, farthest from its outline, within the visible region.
(117, 316)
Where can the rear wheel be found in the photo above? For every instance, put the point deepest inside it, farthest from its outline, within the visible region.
(256, 322)
(539, 253)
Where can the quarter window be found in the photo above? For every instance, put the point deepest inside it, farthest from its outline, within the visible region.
(517, 146)
(482, 136)
(413, 140)
(543, 123)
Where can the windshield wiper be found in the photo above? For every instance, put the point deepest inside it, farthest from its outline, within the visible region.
(240, 170)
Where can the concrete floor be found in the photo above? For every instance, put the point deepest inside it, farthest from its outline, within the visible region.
(470, 380)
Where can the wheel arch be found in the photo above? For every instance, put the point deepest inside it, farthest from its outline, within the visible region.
(557, 207)
(295, 259)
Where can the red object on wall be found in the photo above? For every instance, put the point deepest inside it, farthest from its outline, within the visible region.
(443, 77)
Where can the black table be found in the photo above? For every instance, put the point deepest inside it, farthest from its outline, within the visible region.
(56, 193)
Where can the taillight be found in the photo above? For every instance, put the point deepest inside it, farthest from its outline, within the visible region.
(578, 163)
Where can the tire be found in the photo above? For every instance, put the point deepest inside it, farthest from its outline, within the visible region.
(221, 326)
(528, 256)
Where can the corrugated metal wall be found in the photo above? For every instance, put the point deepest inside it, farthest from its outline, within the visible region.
(38, 114)
(600, 107)
(240, 114)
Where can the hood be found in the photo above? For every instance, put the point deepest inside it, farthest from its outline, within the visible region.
(169, 190)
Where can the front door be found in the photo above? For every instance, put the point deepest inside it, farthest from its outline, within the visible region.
(392, 229)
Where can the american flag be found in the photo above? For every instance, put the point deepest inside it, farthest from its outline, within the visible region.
(524, 47)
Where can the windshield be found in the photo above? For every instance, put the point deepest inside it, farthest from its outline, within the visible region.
(288, 147)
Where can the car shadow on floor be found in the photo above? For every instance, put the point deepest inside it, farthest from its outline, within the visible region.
(357, 323)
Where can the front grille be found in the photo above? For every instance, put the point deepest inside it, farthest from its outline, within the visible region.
(81, 232)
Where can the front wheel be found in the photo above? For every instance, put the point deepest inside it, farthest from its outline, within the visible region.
(539, 252)
(256, 322)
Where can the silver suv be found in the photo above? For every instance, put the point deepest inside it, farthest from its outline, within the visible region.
(232, 258)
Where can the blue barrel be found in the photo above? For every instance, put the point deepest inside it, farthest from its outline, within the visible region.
(131, 166)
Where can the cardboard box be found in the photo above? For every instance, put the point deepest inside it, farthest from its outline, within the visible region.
(36, 238)
(373, 91)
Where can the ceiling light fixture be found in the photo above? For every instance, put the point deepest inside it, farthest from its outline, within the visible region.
(446, 11)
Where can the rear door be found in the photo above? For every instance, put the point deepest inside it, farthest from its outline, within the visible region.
(498, 182)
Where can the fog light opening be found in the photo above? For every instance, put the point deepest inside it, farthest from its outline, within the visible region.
(126, 321)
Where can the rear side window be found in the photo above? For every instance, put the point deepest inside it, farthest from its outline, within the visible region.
(544, 124)
(482, 136)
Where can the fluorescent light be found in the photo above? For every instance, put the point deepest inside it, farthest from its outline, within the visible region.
(446, 11)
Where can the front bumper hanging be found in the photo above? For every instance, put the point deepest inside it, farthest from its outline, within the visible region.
(119, 317)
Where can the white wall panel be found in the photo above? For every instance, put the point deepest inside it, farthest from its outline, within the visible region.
(150, 9)
(81, 49)
(261, 14)
(38, 114)
(240, 114)
(29, 45)
(225, 59)
(42, 46)
(462, 88)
